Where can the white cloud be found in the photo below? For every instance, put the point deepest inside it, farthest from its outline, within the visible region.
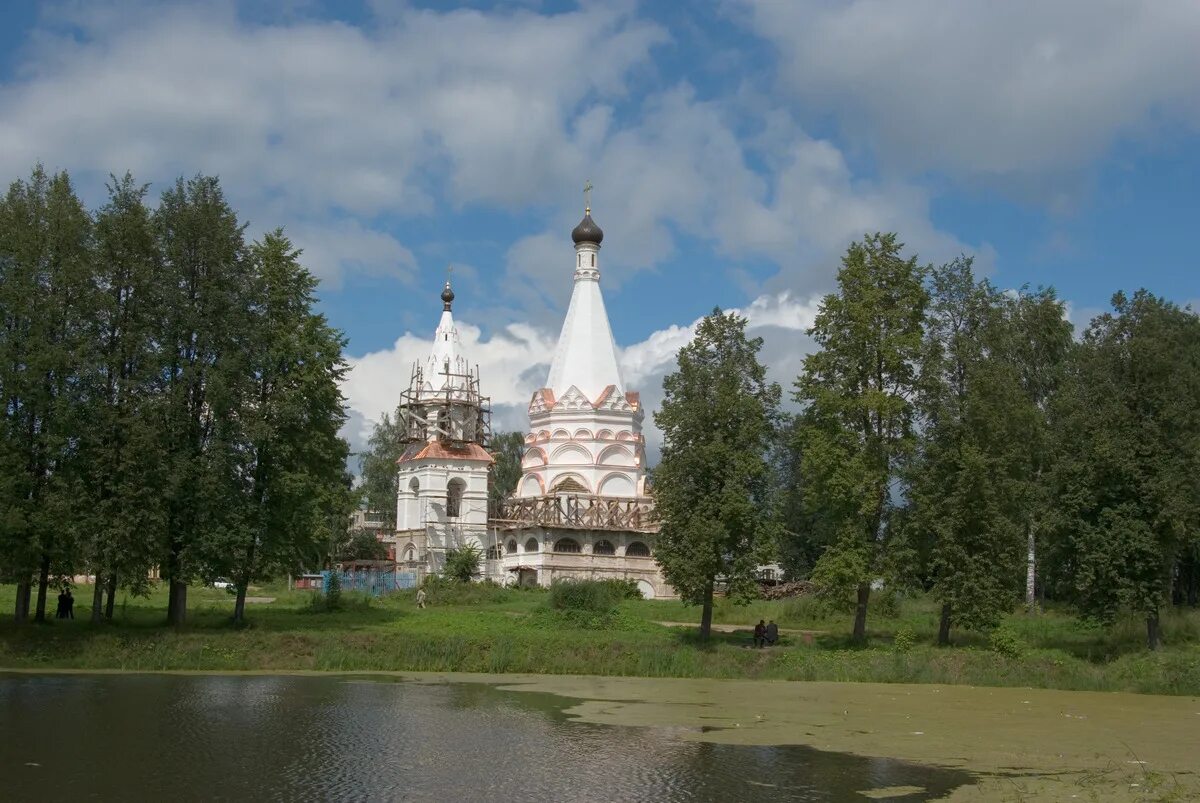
(310, 121)
(683, 172)
(1015, 90)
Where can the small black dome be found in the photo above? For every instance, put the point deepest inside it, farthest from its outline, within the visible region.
(447, 296)
(587, 231)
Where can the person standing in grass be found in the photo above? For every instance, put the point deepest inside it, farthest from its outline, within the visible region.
(760, 633)
(772, 633)
(420, 598)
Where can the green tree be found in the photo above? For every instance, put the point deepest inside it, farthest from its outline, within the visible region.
(206, 291)
(362, 545)
(1127, 474)
(712, 487)
(122, 453)
(1038, 343)
(964, 485)
(378, 467)
(46, 294)
(806, 532)
(287, 456)
(507, 449)
(858, 391)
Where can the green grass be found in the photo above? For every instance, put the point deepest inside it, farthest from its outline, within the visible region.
(481, 629)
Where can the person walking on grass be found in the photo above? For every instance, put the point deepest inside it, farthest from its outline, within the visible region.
(70, 605)
(61, 611)
(421, 598)
(772, 633)
(760, 633)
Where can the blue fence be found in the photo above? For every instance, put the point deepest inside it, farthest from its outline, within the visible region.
(372, 581)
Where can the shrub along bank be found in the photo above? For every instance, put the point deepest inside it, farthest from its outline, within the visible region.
(581, 630)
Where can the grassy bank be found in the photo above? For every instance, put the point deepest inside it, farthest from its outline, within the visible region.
(500, 630)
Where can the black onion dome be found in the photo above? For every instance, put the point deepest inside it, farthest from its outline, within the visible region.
(447, 296)
(587, 231)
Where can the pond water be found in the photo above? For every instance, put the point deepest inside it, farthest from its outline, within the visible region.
(193, 737)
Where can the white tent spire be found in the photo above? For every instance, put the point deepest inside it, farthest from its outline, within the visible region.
(586, 356)
(446, 364)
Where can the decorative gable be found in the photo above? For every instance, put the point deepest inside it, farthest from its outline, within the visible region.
(573, 399)
(611, 400)
(542, 401)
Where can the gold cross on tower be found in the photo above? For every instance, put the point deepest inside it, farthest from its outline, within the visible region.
(587, 196)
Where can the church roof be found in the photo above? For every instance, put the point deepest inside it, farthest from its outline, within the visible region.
(586, 355)
(446, 365)
(427, 450)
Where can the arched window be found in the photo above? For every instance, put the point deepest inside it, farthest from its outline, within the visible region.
(604, 548)
(494, 552)
(637, 550)
(532, 545)
(409, 553)
(511, 546)
(454, 494)
(414, 486)
(566, 545)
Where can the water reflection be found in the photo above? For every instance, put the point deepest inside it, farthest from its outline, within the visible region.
(276, 738)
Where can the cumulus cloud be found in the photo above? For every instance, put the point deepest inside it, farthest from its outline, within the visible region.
(683, 171)
(310, 120)
(1016, 90)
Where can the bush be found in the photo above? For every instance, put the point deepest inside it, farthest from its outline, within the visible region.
(886, 604)
(445, 591)
(597, 596)
(904, 640)
(1007, 643)
(463, 564)
(333, 591)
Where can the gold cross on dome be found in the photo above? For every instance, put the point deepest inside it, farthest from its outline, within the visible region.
(587, 195)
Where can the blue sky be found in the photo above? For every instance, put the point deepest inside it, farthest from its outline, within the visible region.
(736, 148)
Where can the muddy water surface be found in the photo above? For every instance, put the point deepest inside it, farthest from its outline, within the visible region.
(487, 737)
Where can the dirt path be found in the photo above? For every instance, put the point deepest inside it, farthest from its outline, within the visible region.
(725, 628)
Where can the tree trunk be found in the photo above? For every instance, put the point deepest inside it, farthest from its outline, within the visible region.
(859, 636)
(1152, 635)
(98, 601)
(706, 613)
(239, 607)
(1030, 568)
(21, 609)
(944, 626)
(177, 603)
(112, 596)
(43, 585)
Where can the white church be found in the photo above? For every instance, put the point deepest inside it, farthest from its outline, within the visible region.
(582, 508)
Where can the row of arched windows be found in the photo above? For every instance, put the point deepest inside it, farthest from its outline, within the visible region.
(637, 549)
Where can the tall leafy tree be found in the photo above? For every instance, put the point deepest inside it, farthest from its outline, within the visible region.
(858, 391)
(46, 294)
(379, 470)
(712, 487)
(122, 451)
(283, 447)
(507, 448)
(206, 289)
(964, 485)
(1038, 343)
(1127, 474)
